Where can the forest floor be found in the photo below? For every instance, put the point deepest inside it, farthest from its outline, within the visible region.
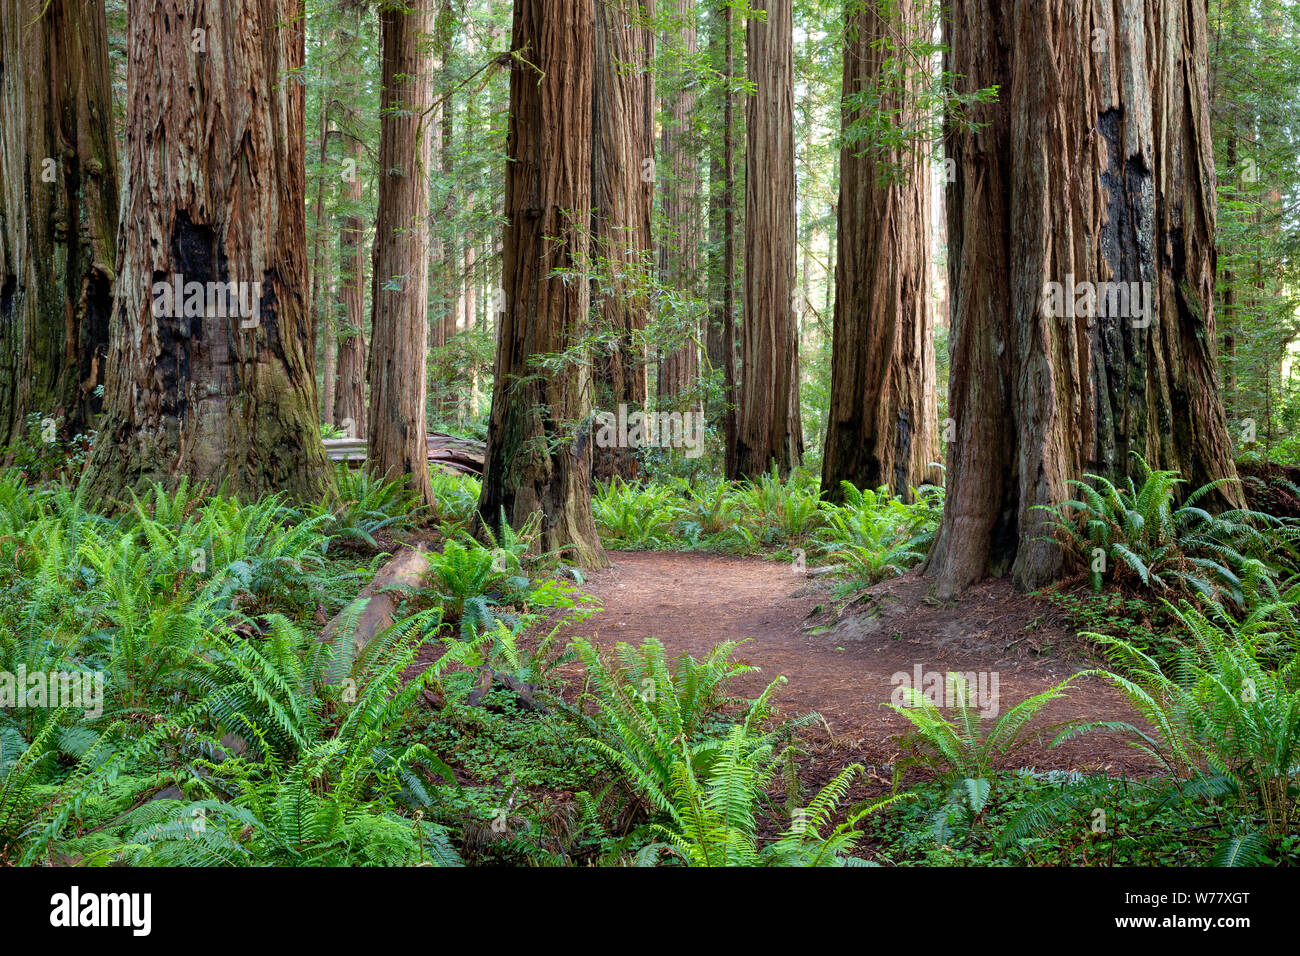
(841, 663)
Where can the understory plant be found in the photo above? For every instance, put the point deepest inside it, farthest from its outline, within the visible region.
(1143, 534)
(963, 750)
(1225, 723)
(704, 777)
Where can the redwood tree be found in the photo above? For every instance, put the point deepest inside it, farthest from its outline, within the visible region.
(1094, 166)
(350, 390)
(720, 332)
(214, 194)
(539, 433)
(679, 177)
(881, 428)
(768, 424)
(58, 212)
(398, 444)
(623, 100)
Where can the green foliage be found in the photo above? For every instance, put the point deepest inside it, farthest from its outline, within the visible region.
(1221, 720)
(366, 506)
(702, 777)
(959, 749)
(317, 783)
(634, 516)
(876, 536)
(1141, 534)
(869, 536)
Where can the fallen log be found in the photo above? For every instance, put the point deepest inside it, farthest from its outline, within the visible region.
(374, 607)
(455, 455)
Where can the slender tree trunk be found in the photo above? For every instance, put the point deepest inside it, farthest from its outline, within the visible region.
(469, 319)
(719, 317)
(539, 436)
(679, 244)
(731, 392)
(329, 356)
(350, 397)
(322, 324)
(318, 307)
(768, 427)
(214, 387)
(397, 432)
(1095, 166)
(883, 405)
(623, 103)
(58, 212)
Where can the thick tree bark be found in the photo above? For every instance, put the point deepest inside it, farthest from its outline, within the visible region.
(58, 212)
(1095, 166)
(623, 101)
(679, 242)
(350, 396)
(768, 423)
(216, 389)
(539, 435)
(400, 285)
(883, 404)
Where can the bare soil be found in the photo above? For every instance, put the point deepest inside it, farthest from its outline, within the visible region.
(842, 665)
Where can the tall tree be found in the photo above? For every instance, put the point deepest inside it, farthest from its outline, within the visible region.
(214, 385)
(769, 431)
(1095, 166)
(731, 422)
(720, 335)
(398, 446)
(318, 305)
(350, 395)
(881, 428)
(539, 441)
(623, 150)
(679, 238)
(58, 212)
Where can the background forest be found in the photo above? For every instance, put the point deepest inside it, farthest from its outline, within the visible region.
(364, 565)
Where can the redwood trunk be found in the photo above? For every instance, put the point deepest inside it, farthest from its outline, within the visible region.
(1095, 166)
(883, 405)
(539, 435)
(58, 212)
(350, 394)
(679, 241)
(622, 142)
(214, 194)
(397, 428)
(768, 425)
(720, 336)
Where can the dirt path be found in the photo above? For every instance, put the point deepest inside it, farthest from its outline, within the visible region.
(691, 601)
